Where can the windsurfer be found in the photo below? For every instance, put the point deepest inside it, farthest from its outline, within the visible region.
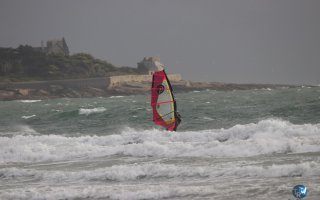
(163, 103)
(178, 120)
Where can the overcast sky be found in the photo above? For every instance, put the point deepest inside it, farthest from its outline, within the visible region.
(241, 41)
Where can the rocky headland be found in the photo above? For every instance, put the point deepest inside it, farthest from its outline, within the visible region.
(35, 73)
(100, 87)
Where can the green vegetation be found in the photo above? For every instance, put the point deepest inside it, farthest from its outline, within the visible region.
(26, 63)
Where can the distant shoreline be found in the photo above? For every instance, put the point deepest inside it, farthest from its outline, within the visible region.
(98, 87)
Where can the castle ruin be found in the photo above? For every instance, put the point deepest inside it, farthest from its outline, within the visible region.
(150, 65)
(147, 66)
(56, 46)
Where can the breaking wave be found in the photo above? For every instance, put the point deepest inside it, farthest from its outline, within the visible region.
(89, 111)
(29, 101)
(18, 130)
(151, 170)
(91, 184)
(113, 97)
(122, 192)
(28, 116)
(265, 137)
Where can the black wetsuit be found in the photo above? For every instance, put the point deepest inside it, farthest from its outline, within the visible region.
(178, 120)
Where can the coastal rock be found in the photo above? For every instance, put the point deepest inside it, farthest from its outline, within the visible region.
(55, 88)
(97, 87)
(6, 94)
(23, 92)
(43, 92)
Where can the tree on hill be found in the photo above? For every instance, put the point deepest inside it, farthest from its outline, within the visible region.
(28, 63)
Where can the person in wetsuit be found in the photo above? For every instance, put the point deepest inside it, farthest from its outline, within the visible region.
(178, 120)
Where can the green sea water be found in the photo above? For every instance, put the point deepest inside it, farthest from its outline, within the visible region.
(200, 110)
(242, 144)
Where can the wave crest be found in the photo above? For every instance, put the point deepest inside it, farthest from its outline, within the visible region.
(158, 170)
(266, 137)
(89, 111)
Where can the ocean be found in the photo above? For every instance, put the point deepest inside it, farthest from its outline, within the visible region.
(249, 144)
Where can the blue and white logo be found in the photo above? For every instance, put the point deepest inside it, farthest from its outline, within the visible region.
(300, 191)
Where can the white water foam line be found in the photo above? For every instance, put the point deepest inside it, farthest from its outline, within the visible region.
(265, 137)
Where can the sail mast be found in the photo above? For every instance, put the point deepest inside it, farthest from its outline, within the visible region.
(162, 102)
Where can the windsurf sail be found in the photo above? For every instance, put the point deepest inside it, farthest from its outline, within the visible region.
(163, 104)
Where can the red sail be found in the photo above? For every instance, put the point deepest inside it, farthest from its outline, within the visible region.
(162, 101)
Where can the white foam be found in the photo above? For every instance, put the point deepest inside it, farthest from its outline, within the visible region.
(266, 137)
(308, 169)
(156, 170)
(112, 97)
(32, 148)
(29, 101)
(114, 173)
(19, 130)
(89, 111)
(91, 184)
(27, 116)
(208, 118)
(120, 192)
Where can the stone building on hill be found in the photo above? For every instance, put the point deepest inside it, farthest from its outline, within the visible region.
(150, 65)
(56, 46)
(147, 66)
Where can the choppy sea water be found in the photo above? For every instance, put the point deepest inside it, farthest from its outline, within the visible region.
(253, 144)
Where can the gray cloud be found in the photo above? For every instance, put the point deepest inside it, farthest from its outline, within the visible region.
(244, 41)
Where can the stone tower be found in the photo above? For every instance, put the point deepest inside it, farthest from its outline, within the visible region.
(149, 65)
(58, 46)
